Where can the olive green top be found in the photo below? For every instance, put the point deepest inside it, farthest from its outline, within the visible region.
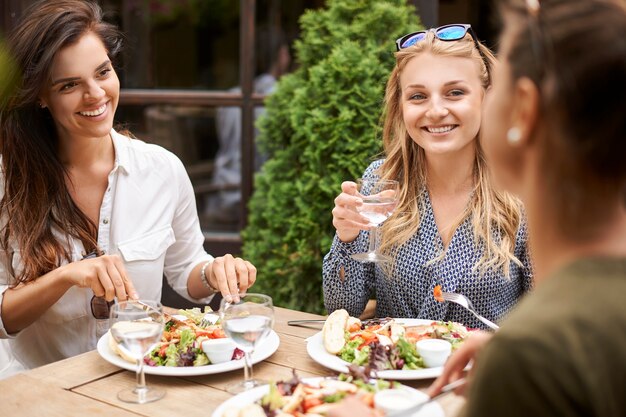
(562, 351)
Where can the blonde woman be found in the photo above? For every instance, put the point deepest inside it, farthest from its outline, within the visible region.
(450, 228)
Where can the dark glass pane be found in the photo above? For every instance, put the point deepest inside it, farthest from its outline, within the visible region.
(178, 44)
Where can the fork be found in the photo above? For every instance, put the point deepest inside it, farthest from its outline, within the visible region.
(463, 301)
(206, 320)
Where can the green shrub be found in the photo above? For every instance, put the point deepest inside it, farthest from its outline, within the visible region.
(321, 128)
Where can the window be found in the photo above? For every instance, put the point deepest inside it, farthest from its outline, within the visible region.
(189, 68)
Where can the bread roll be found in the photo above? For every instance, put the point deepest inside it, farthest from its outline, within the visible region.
(115, 347)
(333, 331)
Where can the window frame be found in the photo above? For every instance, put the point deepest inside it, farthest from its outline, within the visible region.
(222, 243)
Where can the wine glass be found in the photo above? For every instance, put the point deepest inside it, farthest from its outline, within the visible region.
(137, 326)
(247, 321)
(380, 198)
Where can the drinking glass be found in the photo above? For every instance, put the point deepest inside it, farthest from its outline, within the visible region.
(380, 198)
(247, 321)
(137, 326)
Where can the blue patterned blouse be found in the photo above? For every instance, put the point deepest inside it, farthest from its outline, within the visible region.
(409, 294)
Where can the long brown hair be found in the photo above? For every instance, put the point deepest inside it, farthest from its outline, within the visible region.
(37, 210)
(495, 215)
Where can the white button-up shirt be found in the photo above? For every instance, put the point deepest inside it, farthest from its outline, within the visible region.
(148, 216)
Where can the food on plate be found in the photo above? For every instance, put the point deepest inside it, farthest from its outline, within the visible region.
(116, 347)
(333, 331)
(312, 397)
(385, 344)
(181, 343)
(438, 293)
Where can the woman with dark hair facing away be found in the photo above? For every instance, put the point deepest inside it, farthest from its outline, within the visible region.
(450, 226)
(87, 214)
(554, 134)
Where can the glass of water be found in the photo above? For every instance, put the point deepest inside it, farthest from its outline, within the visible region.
(137, 326)
(380, 198)
(247, 322)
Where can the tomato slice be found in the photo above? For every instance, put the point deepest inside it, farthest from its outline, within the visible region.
(211, 334)
(368, 337)
(438, 293)
(310, 402)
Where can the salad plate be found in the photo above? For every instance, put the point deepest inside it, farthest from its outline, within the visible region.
(254, 396)
(265, 349)
(316, 350)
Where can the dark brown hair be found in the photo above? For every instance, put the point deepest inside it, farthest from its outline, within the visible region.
(36, 201)
(575, 52)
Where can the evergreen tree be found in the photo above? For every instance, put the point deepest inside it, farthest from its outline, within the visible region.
(322, 127)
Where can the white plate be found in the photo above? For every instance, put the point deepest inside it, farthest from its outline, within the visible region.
(248, 397)
(263, 351)
(317, 351)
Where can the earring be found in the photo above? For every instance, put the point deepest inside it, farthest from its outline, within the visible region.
(514, 135)
(43, 106)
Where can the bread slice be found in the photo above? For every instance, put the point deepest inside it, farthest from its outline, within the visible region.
(115, 347)
(333, 331)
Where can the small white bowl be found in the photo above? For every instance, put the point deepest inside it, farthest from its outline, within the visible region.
(392, 400)
(435, 352)
(219, 350)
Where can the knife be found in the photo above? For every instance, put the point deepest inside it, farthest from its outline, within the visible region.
(322, 321)
(301, 322)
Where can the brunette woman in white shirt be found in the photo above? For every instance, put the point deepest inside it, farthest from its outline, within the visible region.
(73, 188)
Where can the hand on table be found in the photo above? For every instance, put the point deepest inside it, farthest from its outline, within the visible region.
(346, 219)
(454, 367)
(232, 276)
(105, 275)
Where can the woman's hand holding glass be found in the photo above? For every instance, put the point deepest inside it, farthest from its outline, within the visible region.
(346, 219)
(363, 206)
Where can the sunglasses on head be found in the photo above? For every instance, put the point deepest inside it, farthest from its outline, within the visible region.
(452, 32)
(447, 33)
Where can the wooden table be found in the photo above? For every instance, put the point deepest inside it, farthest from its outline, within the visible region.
(87, 385)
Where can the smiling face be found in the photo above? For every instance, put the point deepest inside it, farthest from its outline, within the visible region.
(441, 102)
(83, 91)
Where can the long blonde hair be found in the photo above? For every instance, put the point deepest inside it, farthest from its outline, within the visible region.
(495, 216)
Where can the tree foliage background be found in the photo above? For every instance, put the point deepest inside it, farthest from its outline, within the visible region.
(321, 128)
